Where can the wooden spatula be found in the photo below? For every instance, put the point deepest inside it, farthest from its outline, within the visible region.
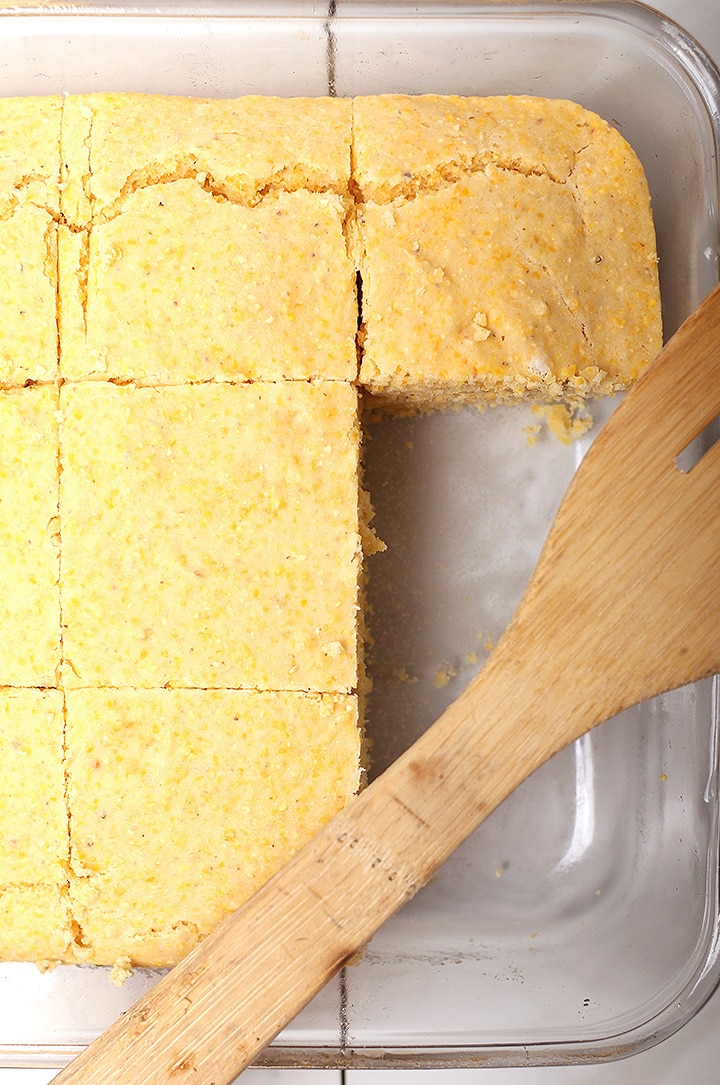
(624, 604)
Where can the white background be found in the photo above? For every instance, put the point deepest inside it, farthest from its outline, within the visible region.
(691, 1056)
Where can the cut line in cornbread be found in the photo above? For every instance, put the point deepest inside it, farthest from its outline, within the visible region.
(181, 513)
(29, 210)
(243, 778)
(207, 239)
(210, 535)
(507, 251)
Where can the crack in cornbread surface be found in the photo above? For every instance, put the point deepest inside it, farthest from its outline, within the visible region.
(210, 535)
(179, 491)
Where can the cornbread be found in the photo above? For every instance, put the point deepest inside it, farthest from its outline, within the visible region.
(186, 260)
(506, 251)
(181, 511)
(244, 778)
(29, 206)
(210, 535)
(34, 848)
(29, 593)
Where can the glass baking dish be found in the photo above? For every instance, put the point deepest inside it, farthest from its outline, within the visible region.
(580, 923)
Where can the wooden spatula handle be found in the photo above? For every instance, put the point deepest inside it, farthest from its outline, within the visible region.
(208, 1018)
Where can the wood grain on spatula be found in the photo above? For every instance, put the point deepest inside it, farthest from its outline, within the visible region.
(623, 605)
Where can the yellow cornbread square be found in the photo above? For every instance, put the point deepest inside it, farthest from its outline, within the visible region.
(210, 535)
(36, 924)
(506, 250)
(29, 528)
(238, 779)
(208, 239)
(29, 209)
(182, 285)
(34, 838)
(34, 844)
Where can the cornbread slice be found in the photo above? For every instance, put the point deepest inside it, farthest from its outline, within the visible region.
(207, 239)
(29, 208)
(242, 147)
(29, 593)
(34, 847)
(210, 535)
(36, 924)
(507, 251)
(184, 286)
(242, 778)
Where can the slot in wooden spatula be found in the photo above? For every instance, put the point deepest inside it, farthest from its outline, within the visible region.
(624, 604)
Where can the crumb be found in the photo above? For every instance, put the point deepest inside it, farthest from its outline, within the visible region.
(565, 421)
(121, 971)
(370, 542)
(443, 676)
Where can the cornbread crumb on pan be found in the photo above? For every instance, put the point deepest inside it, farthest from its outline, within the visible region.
(564, 421)
(207, 239)
(244, 778)
(507, 251)
(29, 530)
(210, 535)
(34, 846)
(29, 207)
